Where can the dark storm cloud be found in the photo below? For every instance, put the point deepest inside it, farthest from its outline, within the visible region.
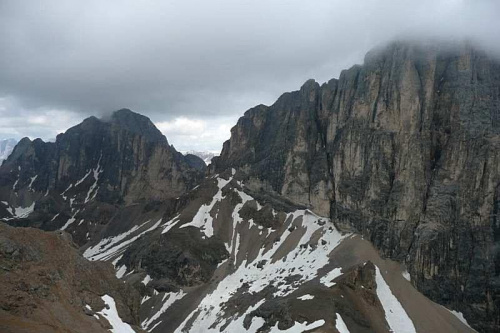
(199, 60)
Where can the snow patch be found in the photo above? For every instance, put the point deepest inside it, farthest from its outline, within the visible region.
(82, 179)
(111, 314)
(340, 324)
(170, 224)
(18, 212)
(146, 280)
(32, 181)
(70, 221)
(333, 274)
(24, 211)
(299, 327)
(121, 271)
(305, 297)
(395, 314)
(66, 190)
(302, 260)
(111, 246)
(115, 262)
(172, 298)
(461, 317)
(96, 172)
(203, 220)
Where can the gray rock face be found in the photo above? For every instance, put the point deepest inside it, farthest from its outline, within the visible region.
(181, 258)
(404, 149)
(195, 162)
(117, 161)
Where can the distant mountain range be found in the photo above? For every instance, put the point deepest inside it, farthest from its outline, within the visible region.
(6, 147)
(206, 156)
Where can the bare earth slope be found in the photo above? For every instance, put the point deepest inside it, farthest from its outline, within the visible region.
(47, 286)
(227, 262)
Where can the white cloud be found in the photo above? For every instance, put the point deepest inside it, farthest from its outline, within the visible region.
(17, 121)
(182, 126)
(37, 120)
(197, 134)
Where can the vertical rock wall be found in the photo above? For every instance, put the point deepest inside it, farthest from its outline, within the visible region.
(404, 149)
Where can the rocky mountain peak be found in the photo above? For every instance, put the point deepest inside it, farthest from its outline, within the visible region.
(402, 149)
(117, 161)
(309, 85)
(137, 123)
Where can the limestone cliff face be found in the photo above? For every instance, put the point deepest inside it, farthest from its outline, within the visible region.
(282, 148)
(405, 149)
(123, 159)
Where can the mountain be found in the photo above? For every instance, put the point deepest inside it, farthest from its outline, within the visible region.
(89, 173)
(234, 260)
(6, 147)
(365, 204)
(196, 162)
(403, 150)
(206, 156)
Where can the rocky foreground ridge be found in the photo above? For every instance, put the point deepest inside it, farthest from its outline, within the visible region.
(47, 286)
(395, 158)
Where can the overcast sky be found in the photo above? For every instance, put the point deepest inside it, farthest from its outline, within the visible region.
(194, 67)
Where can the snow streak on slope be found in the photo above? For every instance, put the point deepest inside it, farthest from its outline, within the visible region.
(32, 180)
(340, 325)
(305, 297)
(327, 279)
(299, 327)
(111, 314)
(271, 268)
(170, 224)
(203, 219)
(96, 172)
(167, 302)
(70, 220)
(21, 212)
(396, 316)
(113, 246)
(18, 212)
(460, 316)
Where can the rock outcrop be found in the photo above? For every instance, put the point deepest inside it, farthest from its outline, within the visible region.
(405, 150)
(47, 286)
